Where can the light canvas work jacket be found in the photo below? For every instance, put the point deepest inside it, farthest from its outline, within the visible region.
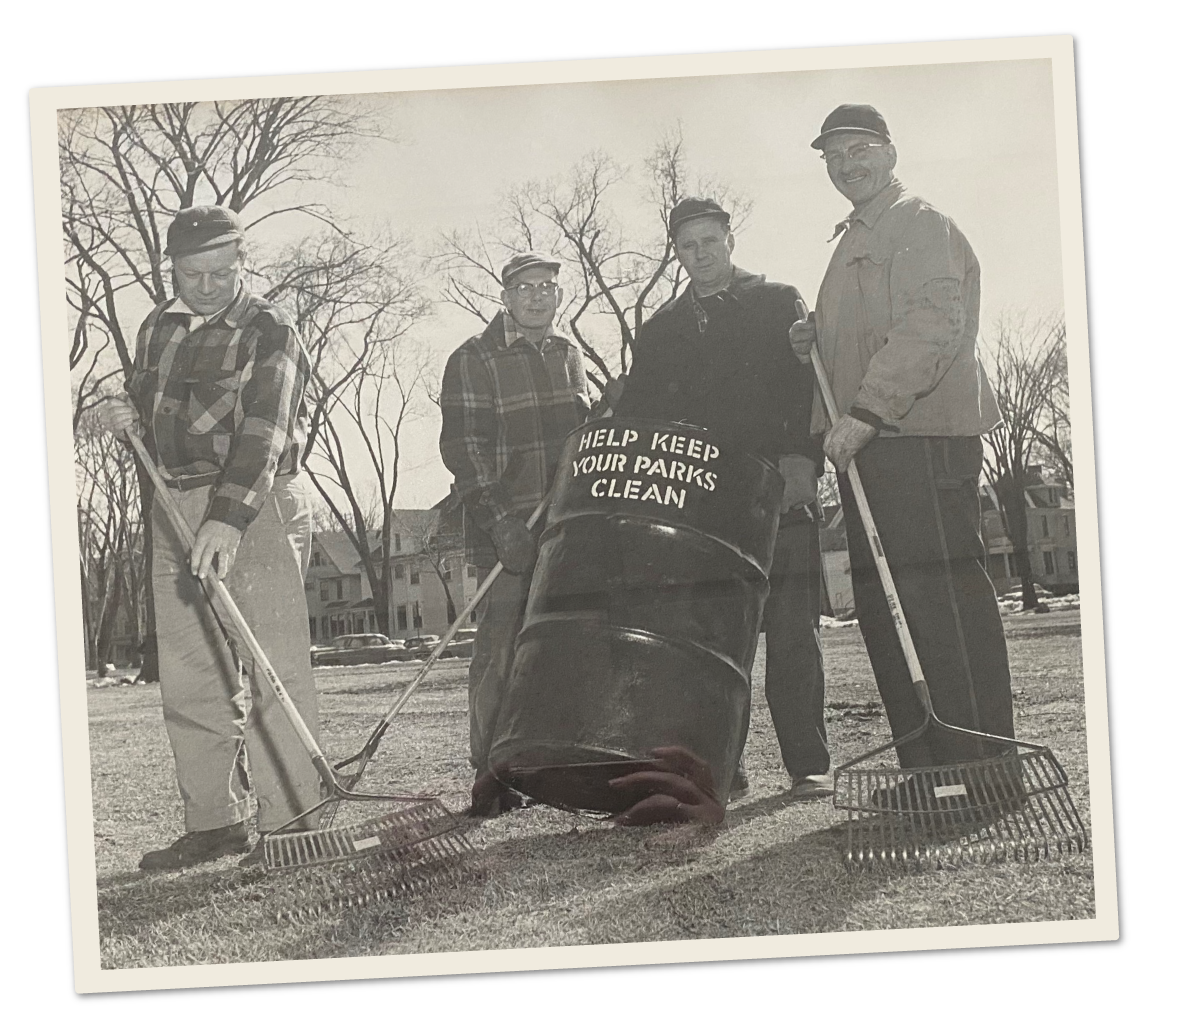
(897, 320)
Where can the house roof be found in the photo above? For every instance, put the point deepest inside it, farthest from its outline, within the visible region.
(336, 546)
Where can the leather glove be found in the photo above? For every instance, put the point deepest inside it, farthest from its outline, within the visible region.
(515, 546)
(799, 481)
(678, 789)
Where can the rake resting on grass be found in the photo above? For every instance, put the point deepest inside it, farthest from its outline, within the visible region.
(372, 859)
(1014, 805)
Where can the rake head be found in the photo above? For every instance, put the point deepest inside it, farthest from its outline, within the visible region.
(360, 864)
(1014, 806)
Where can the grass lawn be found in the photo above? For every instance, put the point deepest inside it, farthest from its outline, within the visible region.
(545, 878)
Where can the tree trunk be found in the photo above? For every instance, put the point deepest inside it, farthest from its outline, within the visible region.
(1016, 524)
(89, 633)
(451, 610)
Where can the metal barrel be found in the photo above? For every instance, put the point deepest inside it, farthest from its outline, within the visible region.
(643, 613)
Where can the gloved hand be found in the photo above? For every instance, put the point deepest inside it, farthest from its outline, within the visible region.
(799, 481)
(847, 436)
(515, 546)
(678, 789)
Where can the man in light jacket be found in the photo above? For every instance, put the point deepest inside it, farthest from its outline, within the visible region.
(895, 326)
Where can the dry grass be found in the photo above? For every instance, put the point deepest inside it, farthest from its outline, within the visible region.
(544, 878)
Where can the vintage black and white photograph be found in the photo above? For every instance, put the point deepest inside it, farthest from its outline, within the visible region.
(556, 512)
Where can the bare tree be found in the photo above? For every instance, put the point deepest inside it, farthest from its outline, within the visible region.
(355, 305)
(125, 170)
(614, 278)
(1025, 360)
(111, 556)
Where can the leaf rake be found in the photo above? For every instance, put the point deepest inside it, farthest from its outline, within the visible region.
(1013, 804)
(372, 859)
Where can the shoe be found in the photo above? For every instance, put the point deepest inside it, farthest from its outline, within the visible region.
(490, 798)
(198, 847)
(814, 786)
(256, 857)
(740, 786)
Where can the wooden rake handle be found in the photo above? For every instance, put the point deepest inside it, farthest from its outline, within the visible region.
(223, 603)
(368, 750)
(864, 510)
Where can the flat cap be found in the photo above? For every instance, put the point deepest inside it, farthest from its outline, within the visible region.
(853, 118)
(523, 261)
(201, 228)
(695, 208)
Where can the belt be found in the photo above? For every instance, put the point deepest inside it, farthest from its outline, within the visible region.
(206, 478)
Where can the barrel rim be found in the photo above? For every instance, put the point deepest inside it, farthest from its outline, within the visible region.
(647, 520)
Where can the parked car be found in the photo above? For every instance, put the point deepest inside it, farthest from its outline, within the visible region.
(421, 647)
(462, 644)
(360, 649)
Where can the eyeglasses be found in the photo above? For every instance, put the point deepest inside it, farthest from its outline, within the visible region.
(527, 290)
(853, 153)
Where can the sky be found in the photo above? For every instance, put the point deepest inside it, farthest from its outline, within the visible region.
(976, 140)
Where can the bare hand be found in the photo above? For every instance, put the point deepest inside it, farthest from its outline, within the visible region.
(678, 788)
(803, 333)
(799, 481)
(215, 540)
(118, 417)
(847, 436)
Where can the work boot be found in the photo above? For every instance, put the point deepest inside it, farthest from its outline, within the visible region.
(256, 857)
(814, 786)
(490, 798)
(198, 847)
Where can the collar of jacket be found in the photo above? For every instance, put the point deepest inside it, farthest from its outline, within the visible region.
(869, 215)
(740, 282)
(503, 330)
(234, 315)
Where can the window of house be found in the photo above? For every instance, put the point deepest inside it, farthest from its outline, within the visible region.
(1067, 524)
(374, 623)
(1045, 526)
(316, 558)
(415, 578)
(324, 627)
(1071, 561)
(309, 584)
(402, 617)
(340, 595)
(398, 573)
(324, 590)
(397, 547)
(312, 627)
(358, 623)
(1048, 561)
(416, 609)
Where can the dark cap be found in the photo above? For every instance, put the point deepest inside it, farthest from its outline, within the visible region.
(201, 228)
(695, 208)
(523, 261)
(853, 118)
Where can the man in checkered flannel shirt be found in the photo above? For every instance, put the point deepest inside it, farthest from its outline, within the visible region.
(217, 392)
(510, 396)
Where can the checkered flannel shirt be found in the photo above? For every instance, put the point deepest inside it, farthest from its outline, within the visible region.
(507, 409)
(223, 399)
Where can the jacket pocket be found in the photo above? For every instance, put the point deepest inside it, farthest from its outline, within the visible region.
(212, 399)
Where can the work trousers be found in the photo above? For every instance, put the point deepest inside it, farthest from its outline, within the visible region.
(795, 683)
(214, 731)
(923, 493)
(503, 610)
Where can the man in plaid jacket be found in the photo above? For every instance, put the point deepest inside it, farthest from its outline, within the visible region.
(217, 392)
(510, 397)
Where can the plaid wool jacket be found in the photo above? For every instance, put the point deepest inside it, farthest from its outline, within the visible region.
(507, 409)
(224, 400)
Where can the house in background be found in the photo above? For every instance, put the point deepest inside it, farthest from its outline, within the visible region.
(427, 562)
(1053, 553)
